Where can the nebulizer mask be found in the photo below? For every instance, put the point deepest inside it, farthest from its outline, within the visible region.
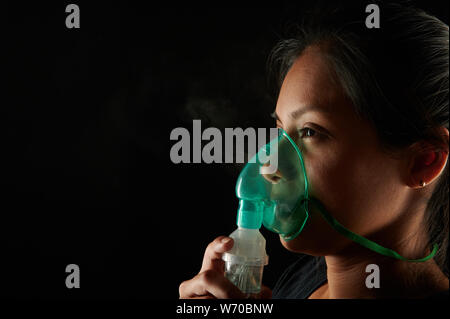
(276, 196)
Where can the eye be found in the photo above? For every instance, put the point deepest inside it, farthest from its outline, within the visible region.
(307, 132)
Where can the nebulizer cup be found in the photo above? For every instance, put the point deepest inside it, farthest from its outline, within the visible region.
(245, 262)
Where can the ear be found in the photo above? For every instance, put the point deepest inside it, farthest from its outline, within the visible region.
(427, 161)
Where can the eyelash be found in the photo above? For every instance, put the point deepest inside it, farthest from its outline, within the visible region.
(308, 129)
(316, 134)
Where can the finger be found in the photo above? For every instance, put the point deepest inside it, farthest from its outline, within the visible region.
(213, 254)
(210, 282)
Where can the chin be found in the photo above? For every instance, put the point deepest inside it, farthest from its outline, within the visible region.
(301, 246)
(289, 245)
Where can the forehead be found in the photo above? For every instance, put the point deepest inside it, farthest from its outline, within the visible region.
(311, 81)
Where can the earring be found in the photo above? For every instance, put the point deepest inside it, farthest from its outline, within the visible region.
(422, 183)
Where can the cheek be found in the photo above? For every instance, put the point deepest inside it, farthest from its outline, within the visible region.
(377, 194)
(325, 175)
(360, 189)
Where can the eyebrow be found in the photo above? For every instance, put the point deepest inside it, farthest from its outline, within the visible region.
(299, 112)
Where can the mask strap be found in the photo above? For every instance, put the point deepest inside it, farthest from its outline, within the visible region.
(364, 241)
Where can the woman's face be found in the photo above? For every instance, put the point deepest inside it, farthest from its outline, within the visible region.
(360, 185)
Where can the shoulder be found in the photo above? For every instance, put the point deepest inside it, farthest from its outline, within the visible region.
(301, 278)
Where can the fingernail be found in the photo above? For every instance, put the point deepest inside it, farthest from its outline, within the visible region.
(225, 240)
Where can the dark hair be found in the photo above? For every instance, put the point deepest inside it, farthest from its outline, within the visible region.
(396, 77)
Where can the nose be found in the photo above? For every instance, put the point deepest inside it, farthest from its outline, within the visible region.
(274, 178)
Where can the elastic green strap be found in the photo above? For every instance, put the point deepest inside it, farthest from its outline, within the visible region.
(364, 241)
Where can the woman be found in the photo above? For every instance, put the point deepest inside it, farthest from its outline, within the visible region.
(369, 110)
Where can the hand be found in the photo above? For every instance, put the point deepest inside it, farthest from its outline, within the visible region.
(210, 282)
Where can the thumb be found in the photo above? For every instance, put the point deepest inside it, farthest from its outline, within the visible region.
(213, 253)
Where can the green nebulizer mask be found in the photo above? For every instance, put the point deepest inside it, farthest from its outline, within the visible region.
(273, 191)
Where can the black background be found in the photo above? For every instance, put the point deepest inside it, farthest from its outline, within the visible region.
(85, 125)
